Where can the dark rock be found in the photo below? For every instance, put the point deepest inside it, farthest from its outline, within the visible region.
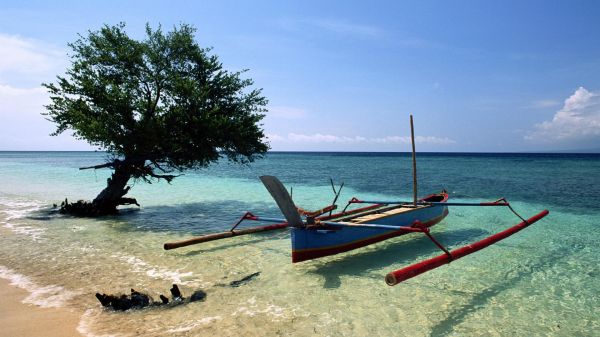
(103, 299)
(176, 293)
(244, 280)
(198, 295)
(137, 300)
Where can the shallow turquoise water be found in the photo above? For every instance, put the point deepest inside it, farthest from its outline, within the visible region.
(543, 281)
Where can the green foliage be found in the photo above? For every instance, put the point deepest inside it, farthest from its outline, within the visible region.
(163, 100)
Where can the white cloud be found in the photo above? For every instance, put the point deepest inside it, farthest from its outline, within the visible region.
(24, 65)
(545, 103)
(286, 112)
(274, 137)
(21, 106)
(319, 138)
(22, 126)
(18, 101)
(434, 140)
(578, 119)
(20, 56)
(20, 112)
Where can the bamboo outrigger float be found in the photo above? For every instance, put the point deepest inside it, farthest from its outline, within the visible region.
(319, 235)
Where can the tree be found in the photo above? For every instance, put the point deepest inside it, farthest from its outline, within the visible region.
(157, 106)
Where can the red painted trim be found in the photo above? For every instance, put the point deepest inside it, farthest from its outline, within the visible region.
(411, 271)
(313, 253)
(495, 203)
(435, 195)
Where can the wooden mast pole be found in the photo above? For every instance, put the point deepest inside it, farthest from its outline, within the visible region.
(414, 160)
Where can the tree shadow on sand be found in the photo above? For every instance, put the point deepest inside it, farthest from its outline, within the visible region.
(182, 221)
(189, 219)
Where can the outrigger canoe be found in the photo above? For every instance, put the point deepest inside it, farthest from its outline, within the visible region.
(315, 235)
(346, 231)
(319, 235)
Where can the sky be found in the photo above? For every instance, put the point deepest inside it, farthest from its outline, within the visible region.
(478, 76)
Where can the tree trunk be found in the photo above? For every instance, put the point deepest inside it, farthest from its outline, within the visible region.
(112, 196)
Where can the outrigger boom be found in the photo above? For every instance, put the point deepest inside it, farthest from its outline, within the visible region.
(281, 224)
(500, 202)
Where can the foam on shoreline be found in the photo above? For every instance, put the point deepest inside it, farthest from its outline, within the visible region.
(17, 210)
(50, 296)
(84, 325)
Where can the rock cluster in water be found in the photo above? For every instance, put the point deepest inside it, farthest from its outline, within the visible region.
(137, 300)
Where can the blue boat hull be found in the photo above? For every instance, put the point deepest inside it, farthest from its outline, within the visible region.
(314, 242)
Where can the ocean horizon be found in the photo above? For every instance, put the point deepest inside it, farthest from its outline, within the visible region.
(557, 152)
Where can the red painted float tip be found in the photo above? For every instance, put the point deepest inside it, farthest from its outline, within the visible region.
(390, 279)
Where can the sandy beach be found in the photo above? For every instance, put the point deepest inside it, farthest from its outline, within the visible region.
(19, 319)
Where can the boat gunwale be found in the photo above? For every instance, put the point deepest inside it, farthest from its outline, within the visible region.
(380, 208)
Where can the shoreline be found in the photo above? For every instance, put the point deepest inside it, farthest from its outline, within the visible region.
(20, 319)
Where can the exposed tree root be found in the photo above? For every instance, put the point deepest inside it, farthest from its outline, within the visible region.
(85, 208)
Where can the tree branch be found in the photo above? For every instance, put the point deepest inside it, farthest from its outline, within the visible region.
(128, 201)
(158, 166)
(167, 177)
(112, 164)
(153, 108)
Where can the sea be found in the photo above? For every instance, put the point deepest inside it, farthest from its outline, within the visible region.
(543, 281)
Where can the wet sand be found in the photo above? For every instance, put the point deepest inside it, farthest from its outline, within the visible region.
(19, 319)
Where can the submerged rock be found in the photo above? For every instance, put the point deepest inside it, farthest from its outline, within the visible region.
(198, 295)
(137, 300)
(244, 280)
(175, 293)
